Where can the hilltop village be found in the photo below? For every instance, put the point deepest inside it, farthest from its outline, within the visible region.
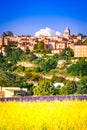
(43, 65)
(56, 44)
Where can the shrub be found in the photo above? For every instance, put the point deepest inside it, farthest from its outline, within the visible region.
(69, 88)
(78, 69)
(82, 89)
(35, 77)
(28, 75)
(58, 79)
(44, 88)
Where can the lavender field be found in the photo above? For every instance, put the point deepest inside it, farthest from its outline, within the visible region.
(44, 98)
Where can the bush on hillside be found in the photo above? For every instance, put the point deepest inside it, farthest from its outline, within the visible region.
(69, 88)
(78, 69)
(45, 87)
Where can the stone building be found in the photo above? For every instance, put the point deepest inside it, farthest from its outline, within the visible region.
(1, 42)
(66, 33)
(80, 50)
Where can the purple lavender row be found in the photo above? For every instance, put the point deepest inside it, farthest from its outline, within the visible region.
(44, 98)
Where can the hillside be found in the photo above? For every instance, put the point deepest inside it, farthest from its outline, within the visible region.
(25, 70)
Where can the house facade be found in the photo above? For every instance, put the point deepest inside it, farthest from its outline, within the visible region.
(55, 44)
(80, 50)
(0, 41)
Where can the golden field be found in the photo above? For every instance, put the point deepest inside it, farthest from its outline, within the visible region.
(53, 115)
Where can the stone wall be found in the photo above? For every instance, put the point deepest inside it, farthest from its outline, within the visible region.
(2, 94)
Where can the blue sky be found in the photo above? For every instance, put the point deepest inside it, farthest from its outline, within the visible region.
(29, 16)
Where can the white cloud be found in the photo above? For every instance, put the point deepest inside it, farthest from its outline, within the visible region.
(47, 32)
(58, 33)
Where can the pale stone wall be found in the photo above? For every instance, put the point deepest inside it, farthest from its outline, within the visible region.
(60, 45)
(9, 91)
(80, 50)
(2, 94)
(25, 64)
(0, 41)
(55, 51)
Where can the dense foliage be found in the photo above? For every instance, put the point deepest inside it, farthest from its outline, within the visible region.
(68, 52)
(8, 33)
(45, 87)
(39, 45)
(78, 69)
(85, 41)
(46, 64)
(13, 54)
(69, 88)
(58, 79)
(39, 48)
(14, 75)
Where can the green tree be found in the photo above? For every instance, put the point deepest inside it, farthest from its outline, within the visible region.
(35, 77)
(13, 55)
(82, 86)
(39, 45)
(78, 69)
(46, 65)
(57, 90)
(28, 75)
(20, 68)
(69, 88)
(29, 88)
(83, 81)
(27, 50)
(8, 33)
(24, 57)
(82, 89)
(63, 91)
(45, 87)
(85, 42)
(68, 52)
(58, 79)
(4, 34)
(32, 57)
(80, 34)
